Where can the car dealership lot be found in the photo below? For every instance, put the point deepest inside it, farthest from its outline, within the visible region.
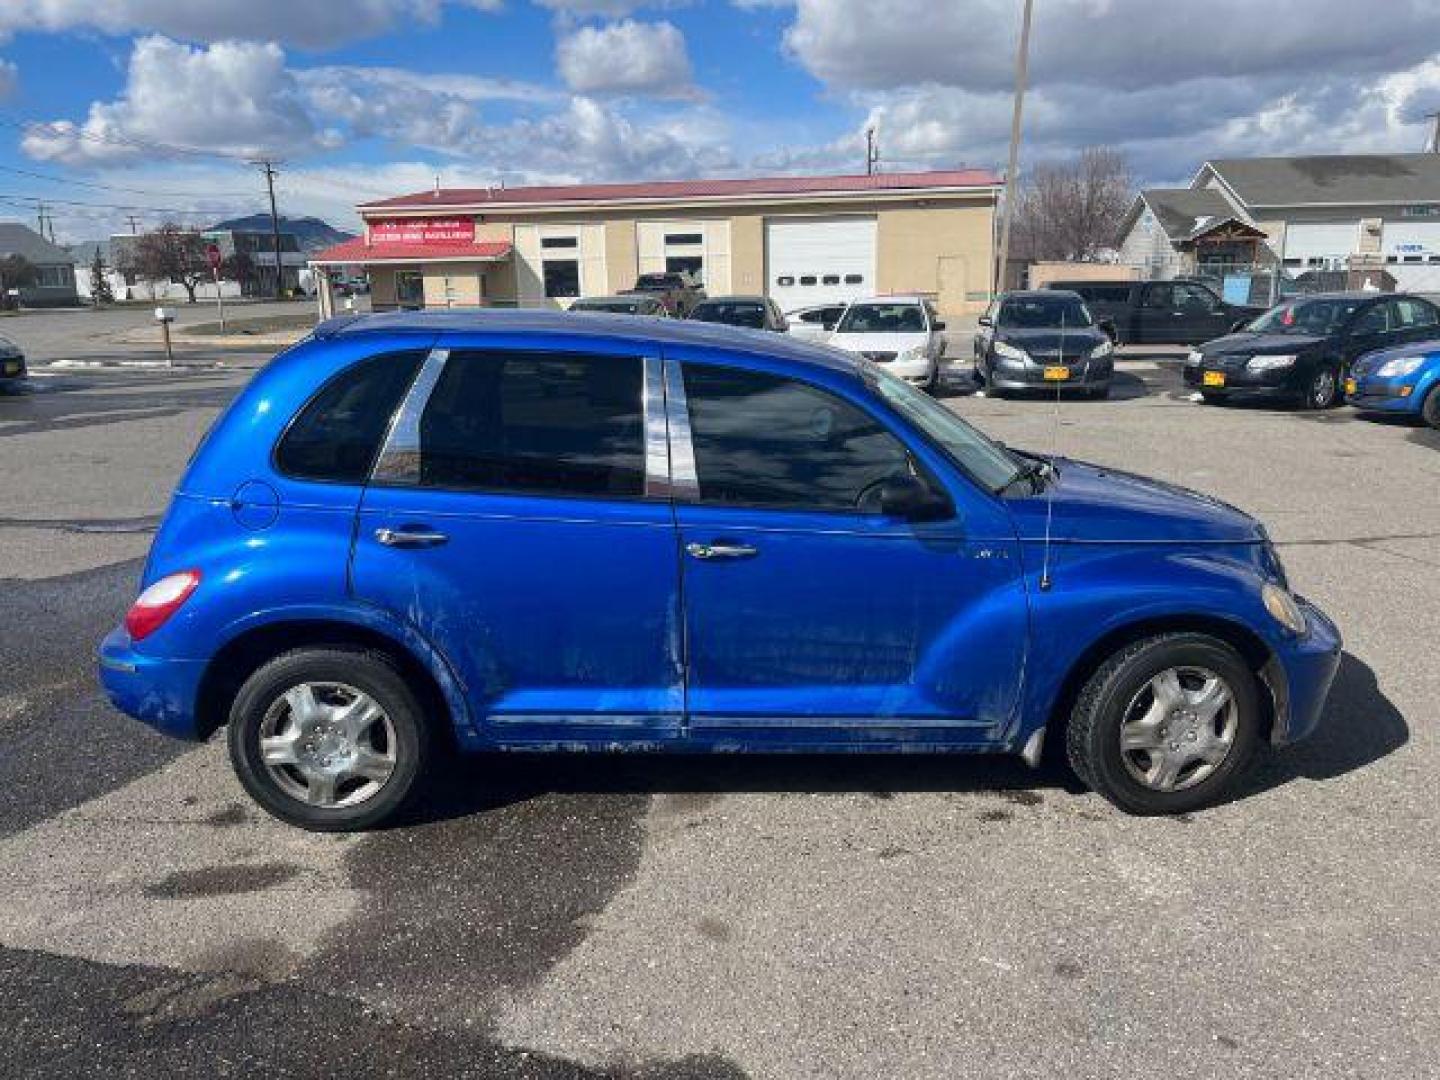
(724, 917)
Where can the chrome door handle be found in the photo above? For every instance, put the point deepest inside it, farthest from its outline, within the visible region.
(410, 537)
(721, 551)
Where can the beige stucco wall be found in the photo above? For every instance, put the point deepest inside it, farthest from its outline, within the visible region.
(1042, 273)
(941, 250)
(747, 253)
(621, 260)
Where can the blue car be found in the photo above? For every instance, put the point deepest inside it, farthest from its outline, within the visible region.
(1405, 379)
(524, 531)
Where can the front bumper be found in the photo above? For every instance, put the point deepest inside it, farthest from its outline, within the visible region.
(1300, 675)
(1019, 375)
(1374, 394)
(154, 690)
(1242, 382)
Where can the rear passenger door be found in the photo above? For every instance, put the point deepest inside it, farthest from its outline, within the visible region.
(517, 520)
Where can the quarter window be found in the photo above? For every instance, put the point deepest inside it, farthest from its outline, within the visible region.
(337, 435)
(540, 423)
(760, 440)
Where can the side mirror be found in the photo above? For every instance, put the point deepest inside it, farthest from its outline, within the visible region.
(939, 324)
(909, 497)
(985, 320)
(1238, 325)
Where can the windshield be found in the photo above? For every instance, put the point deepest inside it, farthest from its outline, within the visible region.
(731, 313)
(977, 454)
(622, 307)
(1043, 312)
(1303, 316)
(902, 318)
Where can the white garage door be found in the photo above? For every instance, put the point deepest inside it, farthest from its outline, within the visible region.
(1323, 240)
(818, 260)
(1412, 254)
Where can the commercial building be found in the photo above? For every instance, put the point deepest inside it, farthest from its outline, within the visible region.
(1346, 215)
(799, 240)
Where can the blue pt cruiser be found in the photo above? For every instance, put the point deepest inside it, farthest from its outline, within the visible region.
(526, 531)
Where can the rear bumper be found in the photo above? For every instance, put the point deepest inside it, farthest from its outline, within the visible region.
(1300, 676)
(156, 691)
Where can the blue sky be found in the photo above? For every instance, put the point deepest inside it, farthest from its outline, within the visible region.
(370, 98)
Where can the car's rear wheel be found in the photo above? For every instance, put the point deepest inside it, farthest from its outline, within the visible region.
(1430, 408)
(1323, 389)
(1166, 725)
(329, 739)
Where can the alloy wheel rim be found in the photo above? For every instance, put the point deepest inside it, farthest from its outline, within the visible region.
(1179, 728)
(1324, 388)
(328, 744)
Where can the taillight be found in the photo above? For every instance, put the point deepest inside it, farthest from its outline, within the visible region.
(157, 603)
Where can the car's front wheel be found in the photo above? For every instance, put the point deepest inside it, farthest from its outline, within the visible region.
(1323, 389)
(1166, 725)
(329, 739)
(1430, 409)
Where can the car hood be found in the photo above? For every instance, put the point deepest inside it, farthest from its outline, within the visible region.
(1429, 350)
(1093, 503)
(1263, 344)
(895, 343)
(1048, 339)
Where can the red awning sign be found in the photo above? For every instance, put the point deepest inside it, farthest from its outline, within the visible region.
(212, 256)
(424, 231)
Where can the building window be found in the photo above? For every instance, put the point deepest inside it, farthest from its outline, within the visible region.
(830, 279)
(562, 278)
(784, 281)
(807, 279)
(53, 277)
(558, 242)
(693, 265)
(409, 288)
(681, 238)
(853, 279)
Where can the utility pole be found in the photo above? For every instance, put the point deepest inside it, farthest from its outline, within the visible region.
(1432, 145)
(1022, 64)
(872, 152)
(40, 215)
(134, 223)
(268, 168)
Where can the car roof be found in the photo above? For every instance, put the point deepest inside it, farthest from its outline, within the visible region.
(544, 322)
(892, 298)
(1037, 294)
(1348, 294)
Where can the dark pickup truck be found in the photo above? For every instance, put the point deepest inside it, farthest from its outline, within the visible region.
(1160, 312)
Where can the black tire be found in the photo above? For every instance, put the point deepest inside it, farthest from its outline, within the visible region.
(1323, 389)
(1430, 408)
(1098, 393)
(1093, 734)
(369, 672)
(1209, 397)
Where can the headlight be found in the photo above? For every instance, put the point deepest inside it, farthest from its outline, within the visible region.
(1270, 363)
(1283, 608)
(1010, 351)
(1195, 358)
(1401, 365)
(1104, 349)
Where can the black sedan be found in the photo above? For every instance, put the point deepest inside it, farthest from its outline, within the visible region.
(1300, 350)
(12, 360)
(752, 312)
(1043, 338)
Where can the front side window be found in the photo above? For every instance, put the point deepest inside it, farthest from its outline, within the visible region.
(1378, 320)
(761, 440)
(1415, 313)
(882, 318)
(1195, 298)
(338, 433)
(536, 423)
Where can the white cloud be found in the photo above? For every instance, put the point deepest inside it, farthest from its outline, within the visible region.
(626, 57)
(304, 23)
(581, 8)
(234, 97)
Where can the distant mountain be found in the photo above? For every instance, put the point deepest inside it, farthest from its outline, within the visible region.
(312, 233)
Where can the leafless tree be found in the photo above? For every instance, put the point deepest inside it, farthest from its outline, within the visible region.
(170, 253)
(1070, 211)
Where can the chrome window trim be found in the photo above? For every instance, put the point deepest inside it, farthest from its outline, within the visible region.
(657, 442)
(399, 460)
(684, 484)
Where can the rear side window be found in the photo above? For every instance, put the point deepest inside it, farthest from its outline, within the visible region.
(765, 441)
(338, 433)
(537, 423)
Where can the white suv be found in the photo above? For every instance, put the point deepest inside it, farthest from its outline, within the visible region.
(902, 333)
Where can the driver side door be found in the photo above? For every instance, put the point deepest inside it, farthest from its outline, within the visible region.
(812, 619)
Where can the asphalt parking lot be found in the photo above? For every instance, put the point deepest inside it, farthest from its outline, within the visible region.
(786, 917)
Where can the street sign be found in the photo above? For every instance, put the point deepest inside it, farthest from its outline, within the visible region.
(212, 255)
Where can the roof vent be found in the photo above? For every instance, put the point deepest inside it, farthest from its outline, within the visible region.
(437, 185)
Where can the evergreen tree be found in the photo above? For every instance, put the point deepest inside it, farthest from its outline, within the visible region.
(100, 291)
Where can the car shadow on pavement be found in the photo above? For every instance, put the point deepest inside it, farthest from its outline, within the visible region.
(1360, 726)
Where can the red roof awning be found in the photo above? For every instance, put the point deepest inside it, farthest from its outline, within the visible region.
(358, 251)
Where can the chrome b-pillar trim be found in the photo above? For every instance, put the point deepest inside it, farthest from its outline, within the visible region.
(684, 484)
(399, 461)
(657, 443)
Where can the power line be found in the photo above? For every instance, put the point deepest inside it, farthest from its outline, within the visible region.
(49, 178)
(11, 196)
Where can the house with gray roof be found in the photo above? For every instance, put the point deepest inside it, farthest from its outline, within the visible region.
(55, 285)
(1307, 214)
